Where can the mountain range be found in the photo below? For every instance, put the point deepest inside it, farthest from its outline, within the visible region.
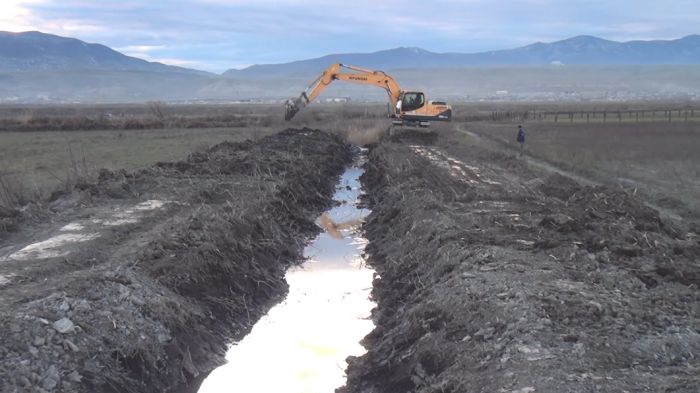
(581, 50)
(32, 51)
(38, 67)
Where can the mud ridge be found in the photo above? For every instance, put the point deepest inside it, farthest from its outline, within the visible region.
(490, 283)
(143, 278)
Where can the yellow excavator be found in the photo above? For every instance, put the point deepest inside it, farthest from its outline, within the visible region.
(406, 108)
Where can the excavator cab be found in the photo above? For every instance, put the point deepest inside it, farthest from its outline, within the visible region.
(411, 101)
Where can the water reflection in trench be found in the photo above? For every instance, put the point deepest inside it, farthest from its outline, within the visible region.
(301, 344)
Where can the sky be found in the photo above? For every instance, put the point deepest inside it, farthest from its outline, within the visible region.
(216, 35)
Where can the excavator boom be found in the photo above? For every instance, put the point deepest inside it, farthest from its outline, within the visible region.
(367, 77)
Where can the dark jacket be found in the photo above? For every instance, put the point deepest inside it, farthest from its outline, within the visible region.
(521, 135)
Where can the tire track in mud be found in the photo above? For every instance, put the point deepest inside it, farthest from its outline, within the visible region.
(542, 165)
(148, 301)
(537, 285)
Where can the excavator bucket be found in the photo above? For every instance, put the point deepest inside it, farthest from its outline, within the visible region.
(290, 109)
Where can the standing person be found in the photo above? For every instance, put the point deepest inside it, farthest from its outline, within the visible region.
(521, 139)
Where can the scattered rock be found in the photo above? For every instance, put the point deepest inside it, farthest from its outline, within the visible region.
(571, 338)
(67, 344)
(64, 326)
(49, 384)
(74, 377)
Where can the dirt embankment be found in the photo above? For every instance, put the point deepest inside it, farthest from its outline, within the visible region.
(137, 281)
(490, 280)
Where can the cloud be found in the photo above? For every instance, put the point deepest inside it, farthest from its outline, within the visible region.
(221, 34)
(14, 16)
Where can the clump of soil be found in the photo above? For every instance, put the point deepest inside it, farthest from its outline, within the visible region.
(511, 292)
(559, 186)
(423, 137)
(150, 301)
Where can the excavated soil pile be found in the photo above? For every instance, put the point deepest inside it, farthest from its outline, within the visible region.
(488, 283)
(146, 275)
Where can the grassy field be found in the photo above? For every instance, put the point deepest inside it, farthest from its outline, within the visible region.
(39, 161)
(32, 163)
(658, 160)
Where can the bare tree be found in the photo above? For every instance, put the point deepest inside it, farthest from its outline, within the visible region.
(158, 110)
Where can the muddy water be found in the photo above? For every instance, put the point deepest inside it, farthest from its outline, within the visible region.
(301, 344)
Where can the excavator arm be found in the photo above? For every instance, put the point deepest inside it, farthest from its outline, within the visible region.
(367, 77)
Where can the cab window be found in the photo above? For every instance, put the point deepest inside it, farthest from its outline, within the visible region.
(413, 101)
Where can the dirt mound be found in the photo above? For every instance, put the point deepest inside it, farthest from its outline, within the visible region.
(559, 186)
(601, 202)
(162, 277)
(415, 136)
(508, 294)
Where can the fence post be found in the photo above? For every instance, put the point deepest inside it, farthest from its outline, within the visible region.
(556, 117)
(619, 115)
(637, 118)
(588, 117)
(686, 115)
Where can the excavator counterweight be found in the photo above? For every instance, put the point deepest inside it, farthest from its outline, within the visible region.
(407, 108)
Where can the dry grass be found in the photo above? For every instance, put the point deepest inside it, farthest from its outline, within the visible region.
(31, 162)
(159, 115)
(660, 161)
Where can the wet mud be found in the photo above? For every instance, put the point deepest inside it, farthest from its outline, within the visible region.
(138, 282)
(493, 280)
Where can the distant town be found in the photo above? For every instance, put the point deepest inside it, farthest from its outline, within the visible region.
(496, 96)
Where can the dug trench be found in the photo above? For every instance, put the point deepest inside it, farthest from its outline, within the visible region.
(491, 279)
(138, 281)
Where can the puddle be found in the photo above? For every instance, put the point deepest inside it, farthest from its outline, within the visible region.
(301, 344)
(77, 232)
(50, 248)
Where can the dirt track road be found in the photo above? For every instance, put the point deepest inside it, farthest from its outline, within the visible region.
(493, 280)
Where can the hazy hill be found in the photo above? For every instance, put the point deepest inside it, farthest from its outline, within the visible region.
(448, 83)
(33, 50)
(581, 50)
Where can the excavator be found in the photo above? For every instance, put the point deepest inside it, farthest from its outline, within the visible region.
(406, 108)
